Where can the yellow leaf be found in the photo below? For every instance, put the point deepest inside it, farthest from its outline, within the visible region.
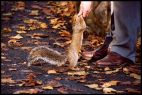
(43, 25)
(125, 70)
(110, 83)
(47, 87)
(65, 33)
(51, 72)
(27, 91)
(54, 21)
(34, 12)
(136, 76)
(109, 90)
(7, 30)
(7, 80)
(21, 32)
(77, 73)
(18, 36)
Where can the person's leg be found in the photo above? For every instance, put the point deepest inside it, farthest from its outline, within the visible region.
(127, 22)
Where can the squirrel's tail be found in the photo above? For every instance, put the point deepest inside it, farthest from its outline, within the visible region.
(46, 54)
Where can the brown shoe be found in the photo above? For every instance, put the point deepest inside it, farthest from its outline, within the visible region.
(113, 59)
(100, 52)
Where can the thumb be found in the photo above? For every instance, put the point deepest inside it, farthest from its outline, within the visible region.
(80, 13)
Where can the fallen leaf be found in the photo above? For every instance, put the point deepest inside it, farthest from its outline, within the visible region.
(137, 82)
(34, 12)
(6, 30)
(113, 71)
(125, 70)
(107, 69)
(62, 90)
(54, 21)
(64, 33)
(94, 86)
(28, 91)
(136, 76)
(51, 72)
(21, 32)
(134, 91)
(39, 35)
(14, 42)
(79, 73)
(109, 91)
(43, 25)
(126, 83)
(12, 69)
(7, 80)
(110, 83)
(47, 87)
(18, 36)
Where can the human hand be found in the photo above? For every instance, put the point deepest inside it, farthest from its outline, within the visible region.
(85, 8)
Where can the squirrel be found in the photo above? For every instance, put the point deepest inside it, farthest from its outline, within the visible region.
(56, 58)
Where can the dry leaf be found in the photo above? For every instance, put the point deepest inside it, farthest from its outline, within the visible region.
(134, 91)
(113, 71)
(7, 80)
(47, 87)
(125, 70)
(65, 33)
(110, 83)
(34, 12)
(94, 86)
(21, 32)
(18, 36)
(62, 90)
(107, 69)
(39, 35)
(6, 30)
(51, 72)
(109, 91)
(12, 69)
(28, 91)
(54, 21)
(43, 25)
(79, 73)
(56, 26)
(136, 76)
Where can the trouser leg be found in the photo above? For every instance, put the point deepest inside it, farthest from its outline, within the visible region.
(127, 24)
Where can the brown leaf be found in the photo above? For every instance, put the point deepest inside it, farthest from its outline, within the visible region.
(94, 86)
(34, 12)
(62, 90)
(51, 72)
(79, 73)
(134, 91)
(39, 35)
(48, 87)
(43, 25)
(136, 76)
(137, 82)
(12, 69)
(7, 80)
(109, 91)
(6, 30)
(14, 42)
(110, 83)
(54, 21)
(125, 83)
(112, 71)
(18, 36)
(28, 91)
(21, 32)
(65, 33)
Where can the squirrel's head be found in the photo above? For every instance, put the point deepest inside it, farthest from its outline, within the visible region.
(78, 22)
